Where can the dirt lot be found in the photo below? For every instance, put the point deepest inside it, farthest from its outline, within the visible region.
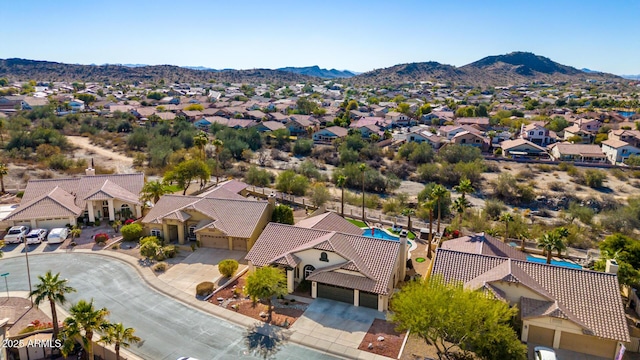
(391, 344)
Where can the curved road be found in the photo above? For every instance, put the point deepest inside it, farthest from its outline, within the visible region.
(169, 328)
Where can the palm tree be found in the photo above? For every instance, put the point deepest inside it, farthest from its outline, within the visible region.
(200, 140)
(550, 241)
(53, 289)
(153, 190)
(119, 336)
(460, 205)
(75, 233)
(507, 218)
(438, 194)
(341, 181)
(428, 205)
(491, 134)
(563, 233)
(408, 212)
(464, 187)
(1, 133)
(84, 321)
(4, 170)
(219, 145)
(362, 168)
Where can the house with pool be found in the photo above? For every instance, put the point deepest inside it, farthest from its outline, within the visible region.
(333, 258)
(560, 306)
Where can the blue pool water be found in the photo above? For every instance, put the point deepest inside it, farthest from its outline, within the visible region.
(554, 262)
(380, 234)
(626, 113)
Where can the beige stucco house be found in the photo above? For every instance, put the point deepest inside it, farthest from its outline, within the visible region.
(225, 222)
(559, 307)
(342, 266)
(58, 202)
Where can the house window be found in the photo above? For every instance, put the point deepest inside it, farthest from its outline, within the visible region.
(324, 257)
(105, 203)
(156, 233)
(464, 141)
(308, 269)
(531, 133)
(192, 232)
(540, 133)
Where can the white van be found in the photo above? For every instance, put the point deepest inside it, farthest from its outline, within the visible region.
(57, 235)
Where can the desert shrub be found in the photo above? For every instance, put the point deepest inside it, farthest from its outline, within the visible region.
(556, 186)
(148, 239)
(205, 288)
(493, 208)
(289, 182)
(228, 267)
(149, 249)
(131, 232)
(282, 214)
(544, 167)
(391, 206)
(506, 188)
(101, 238)
(582, 213)
(459, 153)
(594, 178)
(160, 267)
(619, 174)
(371, 201)
(302, 147)
(258, 177)
(169, 251)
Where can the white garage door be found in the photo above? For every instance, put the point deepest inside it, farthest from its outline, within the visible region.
(52, 223)
(217, 242)
(240, 244)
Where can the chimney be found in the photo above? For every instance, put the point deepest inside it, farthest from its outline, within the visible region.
(611, 267)
(90, 171)
(403, 257)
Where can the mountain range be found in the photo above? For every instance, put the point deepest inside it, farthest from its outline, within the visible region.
(508, 69)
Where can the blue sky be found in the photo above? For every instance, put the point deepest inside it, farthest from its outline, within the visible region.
(355, 35)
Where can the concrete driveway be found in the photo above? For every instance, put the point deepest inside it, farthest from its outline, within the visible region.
(199, 266)
(335, 325)
(566, 354)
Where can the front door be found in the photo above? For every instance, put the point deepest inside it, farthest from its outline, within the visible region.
(105, 212)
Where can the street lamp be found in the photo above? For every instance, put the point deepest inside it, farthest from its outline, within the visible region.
(5, 282)
(26, 255)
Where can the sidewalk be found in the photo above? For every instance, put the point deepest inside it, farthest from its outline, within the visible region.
(189, 299)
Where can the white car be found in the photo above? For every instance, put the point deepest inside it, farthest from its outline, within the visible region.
(36, 236)
(16, 235)
(544, 353)
(57, 235)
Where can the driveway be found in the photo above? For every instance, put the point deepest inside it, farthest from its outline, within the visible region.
(335, 325)
(169, 328)
(199, 266)
(566, 354)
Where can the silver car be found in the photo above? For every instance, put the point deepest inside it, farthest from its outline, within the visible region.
(544, 353)
(57, 235)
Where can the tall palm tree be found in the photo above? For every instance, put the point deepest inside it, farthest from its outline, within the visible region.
(84, 321)
(363, 168)
(563, 233)
(119, 336)
(460, 205)
(4, 170)
(340, 182)
(153, 190)
(408, 212)
(464, 187)
(219, 145)
(53, 289)
(507, 218)
(548, 242)
(429, 205)
(200, 140)
(438, 194)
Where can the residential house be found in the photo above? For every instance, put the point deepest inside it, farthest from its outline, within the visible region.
(78, 105)
(167, 116)
(202, 124)
(559, 307)
(300, 124)
(422, 135)
(372, 120)
(276, 116)
(11, 102)
(617, 151)
(256, 115)
(576, 152)
(58, 202)
(266, 126)
(327, 135)
(342, 266)
(481, 122)
(630, 136)
(143, 112)
(398, 119)
(368, 130)
(586, 129)
(471, 139)
(449, 131)
(191, 115)
(222, 220)
(483, 244)
(522, 148)
(536, 134)
(30, 103)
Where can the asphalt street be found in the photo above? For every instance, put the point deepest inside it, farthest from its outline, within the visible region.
(169, 328)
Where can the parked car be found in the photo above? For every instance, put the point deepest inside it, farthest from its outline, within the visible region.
(544, 353)
(36, 236)
(16, 234)
(57, 235)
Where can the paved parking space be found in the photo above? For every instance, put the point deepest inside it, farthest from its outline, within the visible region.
(566, 354)
(335, 325)
(199, 266)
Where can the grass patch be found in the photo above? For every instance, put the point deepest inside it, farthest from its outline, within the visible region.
(173, 188)
(357, 223)
(410, 235)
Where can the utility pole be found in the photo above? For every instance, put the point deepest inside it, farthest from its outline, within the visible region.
(6, 284)
(26, 255)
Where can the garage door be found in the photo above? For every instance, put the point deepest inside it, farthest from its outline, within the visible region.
(217, 242)
(52, 223)
(588, 345)
(22, 223)
(540, 336)
(369, 300)
(335, 293)
(240, 244)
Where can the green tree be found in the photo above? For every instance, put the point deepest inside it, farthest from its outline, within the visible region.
(53, 289)
(258, 177)
(460, 205)
(409, 212)
(282, 214)
(4, 170)
(363, 168)
(153, 190)
(200, 140)
(464, 187)
(594, 178)
(131, 232)
(438, 194)
(302, 147)
(265, 283)
(453, 318)
(626, 251)
(228, 267)
(219, 146)
(194, 107)
(291, 183)
(187, 171)
(84, 321)
(340, 182)
(548, 242)
(506, 218)
(119, 336)
(319, 194)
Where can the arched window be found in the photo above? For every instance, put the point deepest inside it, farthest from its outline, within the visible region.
(308, 269)
(324, 257)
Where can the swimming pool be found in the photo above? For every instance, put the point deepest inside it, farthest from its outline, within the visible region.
(379, 234)
(564, 263)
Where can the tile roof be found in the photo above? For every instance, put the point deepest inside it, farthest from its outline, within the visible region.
(510, 144)
(229, 189)
(374, 259)
(615, 143)
(578, 149)
(330, 221)
(44, 198)
(237, 218)
(590, 299)
(482, 243)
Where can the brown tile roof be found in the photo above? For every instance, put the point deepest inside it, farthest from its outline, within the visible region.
(44, 198)
(338, 131)
(482, 243)
(373, 258)
(237, 218)
(588, 298)
(510, 144)
(615, 143)
(330, 221)
(578, 149)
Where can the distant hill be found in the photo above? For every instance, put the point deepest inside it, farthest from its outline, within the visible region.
(21, 69)
(318, 72)
(631, 77)
(513, 68)
(589, 71)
